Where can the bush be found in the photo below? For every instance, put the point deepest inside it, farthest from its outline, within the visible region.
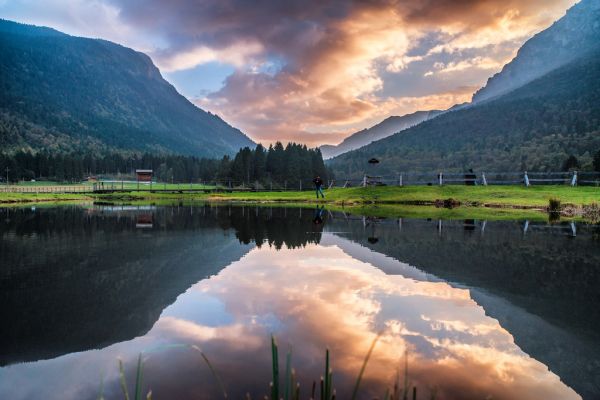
(554, 205)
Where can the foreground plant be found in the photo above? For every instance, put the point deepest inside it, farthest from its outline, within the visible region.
(290, 390)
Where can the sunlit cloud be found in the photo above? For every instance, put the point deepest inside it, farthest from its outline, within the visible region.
(303, 69)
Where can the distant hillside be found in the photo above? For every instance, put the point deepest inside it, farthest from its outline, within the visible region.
(65, 94)
(387, 127)
(568, 38)
(534, 127)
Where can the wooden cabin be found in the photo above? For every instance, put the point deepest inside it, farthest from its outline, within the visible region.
(143, 175)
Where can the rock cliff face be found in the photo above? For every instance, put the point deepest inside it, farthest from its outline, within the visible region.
(577, 33)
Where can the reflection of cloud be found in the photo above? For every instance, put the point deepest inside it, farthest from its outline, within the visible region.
(327, 299)
(313, 298)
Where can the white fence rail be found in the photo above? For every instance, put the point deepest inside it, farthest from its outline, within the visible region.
(525, 178)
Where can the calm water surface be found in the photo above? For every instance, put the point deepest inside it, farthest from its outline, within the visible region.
(506, 310)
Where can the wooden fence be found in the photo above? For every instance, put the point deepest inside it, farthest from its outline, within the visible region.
(46, 189)
(525, 178)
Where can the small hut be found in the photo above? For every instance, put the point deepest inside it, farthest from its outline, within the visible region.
(143, 175)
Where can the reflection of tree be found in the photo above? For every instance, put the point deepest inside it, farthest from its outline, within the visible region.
(292, 227)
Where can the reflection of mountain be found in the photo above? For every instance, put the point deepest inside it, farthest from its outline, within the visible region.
(72, 279)
(542, 287)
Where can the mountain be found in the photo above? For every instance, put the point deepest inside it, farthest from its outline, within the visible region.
(387, 127)
(64, 93)
(568, 38)
(534, 127)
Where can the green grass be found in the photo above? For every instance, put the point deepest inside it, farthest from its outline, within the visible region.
(479, 202)
(7, 199)
(519, 196)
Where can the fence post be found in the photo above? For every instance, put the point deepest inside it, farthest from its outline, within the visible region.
(441, 178)
(526, 179)
(364, 181)
(574, 179)
(483, 179)
(401, 179)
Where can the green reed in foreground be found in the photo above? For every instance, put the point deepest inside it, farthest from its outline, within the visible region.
(291, 388)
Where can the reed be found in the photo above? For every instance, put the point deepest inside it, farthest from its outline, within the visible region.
(291, 387)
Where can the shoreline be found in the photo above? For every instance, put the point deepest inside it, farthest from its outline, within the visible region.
(514, 202)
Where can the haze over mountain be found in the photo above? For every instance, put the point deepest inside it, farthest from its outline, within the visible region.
(63, 93)
(567, 39)
(535, 126)
(385, 128)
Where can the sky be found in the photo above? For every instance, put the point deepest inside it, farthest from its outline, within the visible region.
(310, 71)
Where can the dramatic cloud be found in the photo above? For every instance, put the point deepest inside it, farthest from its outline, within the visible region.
(306, 68)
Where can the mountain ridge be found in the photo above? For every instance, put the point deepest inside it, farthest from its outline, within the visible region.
(565, 40)
(66, 93)
(533, 127)
(385, 128)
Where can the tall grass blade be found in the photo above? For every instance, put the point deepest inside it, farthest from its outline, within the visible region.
(288, 375)
(138, 379)
(327, 387)
(364, 366)
(275, 360)
(322, 389)
(122, 380)
(212, 370)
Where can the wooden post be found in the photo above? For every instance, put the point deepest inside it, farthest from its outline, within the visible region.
(300, 184)
(483, 179)
(574, 179)
(441, 178)
(526, 179)
(364, 181)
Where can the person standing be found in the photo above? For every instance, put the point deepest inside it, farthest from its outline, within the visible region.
(319, 186)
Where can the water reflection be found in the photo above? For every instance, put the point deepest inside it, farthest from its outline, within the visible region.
(276, 271)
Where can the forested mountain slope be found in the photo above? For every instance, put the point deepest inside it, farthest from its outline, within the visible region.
(567, 39)
(63, 94)
(534, 127)
(385, 128)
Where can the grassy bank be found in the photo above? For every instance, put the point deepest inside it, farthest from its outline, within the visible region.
(469, 197)
(488, 196)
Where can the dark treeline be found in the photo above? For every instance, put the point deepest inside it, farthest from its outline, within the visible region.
(277, 164)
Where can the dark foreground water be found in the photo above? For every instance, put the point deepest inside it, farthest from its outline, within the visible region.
(503, 310)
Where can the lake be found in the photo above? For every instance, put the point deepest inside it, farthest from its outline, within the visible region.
(465, 309)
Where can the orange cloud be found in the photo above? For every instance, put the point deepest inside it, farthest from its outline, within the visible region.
(338, 58)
